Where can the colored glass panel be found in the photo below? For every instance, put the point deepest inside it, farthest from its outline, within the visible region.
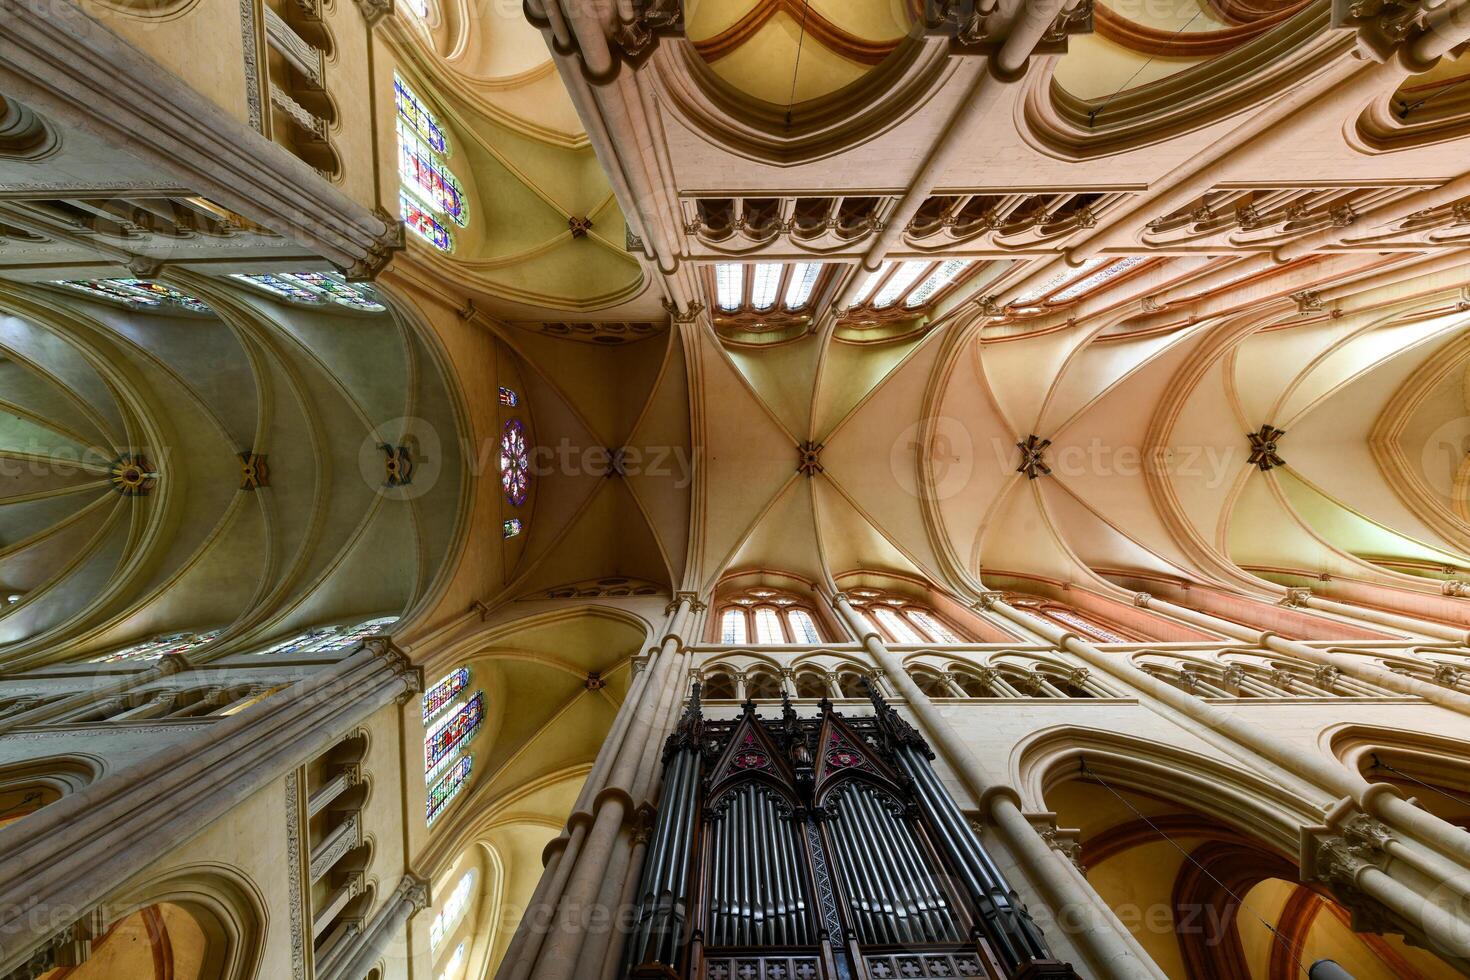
(508, 397)
(443, 693)
(155, 648)
(461, 726)
(425, 176)
(511, 527)
(315, 289)
(422, 223)
(446, 789)
(515, 462)
(412, 111)
(135, 293)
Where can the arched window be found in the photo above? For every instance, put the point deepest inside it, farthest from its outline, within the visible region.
(769, 616)
(316, 289)
(430, 197)
(899, 619)
(803, 627)
(454, 964)
(452, 911)
(137, 294)
(454, 720)
(155, 648)
(1071, 619)
(732, 626)
(325, 639)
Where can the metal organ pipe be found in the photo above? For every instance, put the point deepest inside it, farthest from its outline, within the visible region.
(1016, 938)
(658, 936)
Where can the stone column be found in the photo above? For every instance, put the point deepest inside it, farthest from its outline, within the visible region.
(75, 852)
(1433, 840)
(552, 934)
(410, 897)
(1104, 940)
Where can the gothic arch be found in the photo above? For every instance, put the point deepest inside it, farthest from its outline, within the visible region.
(227, 906)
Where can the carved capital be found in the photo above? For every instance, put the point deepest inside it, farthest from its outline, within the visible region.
(1457, 590)
(374, 11)
(1307, 301)
(381, 250)
(404, 669)
(690, 597)
(1296, 598)
(414, 891)
(1142, 599)
(989, 599)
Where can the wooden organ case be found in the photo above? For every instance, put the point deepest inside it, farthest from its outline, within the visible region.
(820, 848)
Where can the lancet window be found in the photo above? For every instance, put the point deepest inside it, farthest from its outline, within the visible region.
(431, 197)
(767, 617)
(453, 718)
(899, 619)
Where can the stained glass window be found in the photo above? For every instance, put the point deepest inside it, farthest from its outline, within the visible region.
(511, 528)
(458, 729)
(316, 289)
(138, 294)
(1091, 629)
(422, 223)
(412, 111)
(515, 462)
(931, 625)
(329, 638)
(803, 279)
(447, 788)
(441, 694)
(155, 648)
(732, 626)
(803, 628)
(453, 909)
(897, 628)
(768, 626)
(426, 176)
(508, 397)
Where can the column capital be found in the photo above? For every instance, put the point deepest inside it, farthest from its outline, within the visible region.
(988, 600)
(695, 605)
(411, 675)
(1142, 599)
(415, 891)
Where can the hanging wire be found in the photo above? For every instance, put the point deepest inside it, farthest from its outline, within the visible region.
(1094, 113)
(1380, 764)
(1291, 948)
(1407, 107)
(800, 39)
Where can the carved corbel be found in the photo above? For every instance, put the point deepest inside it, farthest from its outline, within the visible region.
(374, 11)
(381, 249)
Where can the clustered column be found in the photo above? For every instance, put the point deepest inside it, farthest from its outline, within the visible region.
(1104, 939)
(569, 928)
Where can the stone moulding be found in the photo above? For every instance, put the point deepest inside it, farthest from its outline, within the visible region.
(78, 72)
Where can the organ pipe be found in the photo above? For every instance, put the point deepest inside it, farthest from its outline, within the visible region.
(821, 848)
